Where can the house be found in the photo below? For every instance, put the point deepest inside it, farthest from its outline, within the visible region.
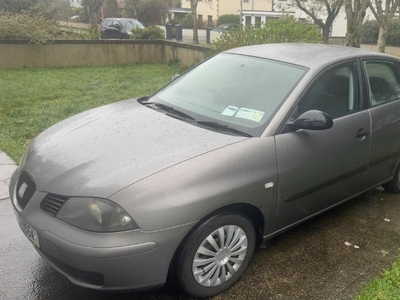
(209, 11)
(253, 12)
(339, 25)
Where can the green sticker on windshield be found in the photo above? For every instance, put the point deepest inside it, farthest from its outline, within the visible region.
(250, 114)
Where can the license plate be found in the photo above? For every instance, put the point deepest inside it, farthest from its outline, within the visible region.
(30, 233)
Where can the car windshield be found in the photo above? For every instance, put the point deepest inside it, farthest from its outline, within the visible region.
(238, 91)
(131, 24)
(224, 26)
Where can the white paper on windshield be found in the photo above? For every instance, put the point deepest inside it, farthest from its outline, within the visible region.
(250, 114)
(230, 111)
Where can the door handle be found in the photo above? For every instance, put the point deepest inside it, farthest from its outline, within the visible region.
(362, 134)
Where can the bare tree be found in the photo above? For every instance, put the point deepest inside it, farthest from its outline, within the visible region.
(383, 15)
(193, 5)
(93, 8)
(152, 12)
(317, 10)
(131, 8)
(355, 14)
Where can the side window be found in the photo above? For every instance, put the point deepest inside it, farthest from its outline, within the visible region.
(383, 81)
(116, 24)
(335, 93)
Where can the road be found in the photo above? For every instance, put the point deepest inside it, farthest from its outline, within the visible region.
(311, 261)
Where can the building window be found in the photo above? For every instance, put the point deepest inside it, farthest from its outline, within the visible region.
(258, 22)
(209, 21)
(248, 20)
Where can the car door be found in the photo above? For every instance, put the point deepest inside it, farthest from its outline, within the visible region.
(113, 30)
(319, 169)
(383, 79)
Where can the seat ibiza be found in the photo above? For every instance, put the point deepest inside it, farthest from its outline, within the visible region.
(188, 181)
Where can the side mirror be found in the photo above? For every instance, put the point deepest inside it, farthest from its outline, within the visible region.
(175, 77)
(311, 120)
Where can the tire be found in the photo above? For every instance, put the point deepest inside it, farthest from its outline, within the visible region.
(394, 185)
(205, 278)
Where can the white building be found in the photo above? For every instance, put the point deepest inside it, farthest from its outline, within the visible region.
(209, 11)
(339, 24)
(75, 3)
(256, 11)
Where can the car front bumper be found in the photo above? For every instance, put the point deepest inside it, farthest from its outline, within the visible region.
(127, 260)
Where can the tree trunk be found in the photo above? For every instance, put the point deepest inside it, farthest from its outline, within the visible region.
(355, 19)
(382, 38)
(353, 34)
(93, 19)
(195, 23)
(325, 34)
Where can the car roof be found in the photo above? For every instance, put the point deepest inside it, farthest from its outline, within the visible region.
(307, 55)
(120, 19)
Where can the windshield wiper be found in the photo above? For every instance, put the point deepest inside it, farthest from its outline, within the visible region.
(169, 109)
(182, 115)
(223, 127)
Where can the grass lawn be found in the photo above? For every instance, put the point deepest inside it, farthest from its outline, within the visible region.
(386, 287)
(33, 99)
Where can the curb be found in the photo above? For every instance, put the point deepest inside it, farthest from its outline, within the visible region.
(7, 168)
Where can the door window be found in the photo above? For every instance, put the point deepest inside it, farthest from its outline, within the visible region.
(115, 24)
(335, 93)
(383, 82)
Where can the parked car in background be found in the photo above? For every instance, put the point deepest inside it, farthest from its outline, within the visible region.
(227, 26)
(74, 18)
(118, 28)
(233, 152)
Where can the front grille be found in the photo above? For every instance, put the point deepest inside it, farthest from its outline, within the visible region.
(85, 276)
(26, 187)
(53, 203)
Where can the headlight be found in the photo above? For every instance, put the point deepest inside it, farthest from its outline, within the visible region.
(23, 158)
(96, 214)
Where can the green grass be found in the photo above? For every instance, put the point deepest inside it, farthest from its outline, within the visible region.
(33, 99)
(386, 287)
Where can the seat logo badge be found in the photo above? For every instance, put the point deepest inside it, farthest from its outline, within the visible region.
(269, 185)
(22, 190)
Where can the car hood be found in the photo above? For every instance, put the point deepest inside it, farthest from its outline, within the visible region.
(101, 151)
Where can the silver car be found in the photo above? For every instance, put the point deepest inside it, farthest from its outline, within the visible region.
(187, 182)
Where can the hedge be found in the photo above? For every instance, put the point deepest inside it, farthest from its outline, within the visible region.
(370, 32)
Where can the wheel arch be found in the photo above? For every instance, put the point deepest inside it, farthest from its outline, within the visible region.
(250, 211)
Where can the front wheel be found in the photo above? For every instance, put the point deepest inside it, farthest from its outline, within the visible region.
(215, 256)
(394, 185)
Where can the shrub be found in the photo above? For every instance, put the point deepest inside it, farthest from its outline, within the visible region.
(187, 21)
(370, 32)
(285, 30)
(148, 33)
(24, 26)
(228, 19)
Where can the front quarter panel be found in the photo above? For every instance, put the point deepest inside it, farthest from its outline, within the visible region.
(189, 191)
